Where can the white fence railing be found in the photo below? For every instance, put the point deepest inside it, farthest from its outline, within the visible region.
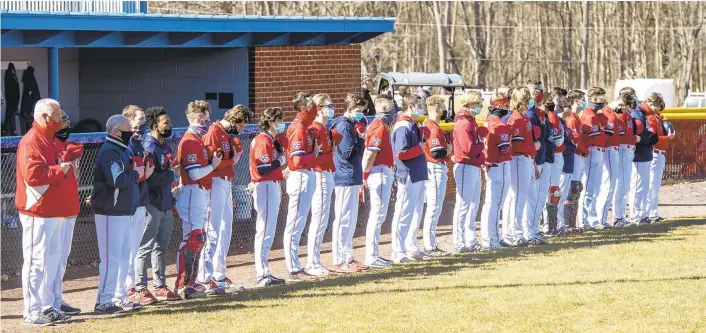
(87, 6)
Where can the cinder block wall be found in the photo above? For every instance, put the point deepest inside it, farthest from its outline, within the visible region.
(277, 73)
(113, 78)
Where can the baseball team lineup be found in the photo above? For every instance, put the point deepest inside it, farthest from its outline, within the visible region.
(552, 162)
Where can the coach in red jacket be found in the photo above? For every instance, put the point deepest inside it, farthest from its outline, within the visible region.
(45, 197)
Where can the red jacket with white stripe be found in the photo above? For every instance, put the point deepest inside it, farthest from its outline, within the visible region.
(42, 189)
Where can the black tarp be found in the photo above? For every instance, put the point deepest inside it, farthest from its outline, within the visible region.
(30, 96)
(12, 99)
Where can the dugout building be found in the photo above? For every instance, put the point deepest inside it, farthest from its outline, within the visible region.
(95, 57)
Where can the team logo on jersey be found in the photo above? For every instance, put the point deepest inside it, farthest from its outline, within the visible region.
(529, 126)
(629, 124)
(191, 158)
(610, 125)
(297, 145)
(504, 137)
(226, 146)
(376, 141)
(594, 128)
(435, 141)
(265, 158)
(620, 127)
(205, 154)
(517, 131)
(554, 131)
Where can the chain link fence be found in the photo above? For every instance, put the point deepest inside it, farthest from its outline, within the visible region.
(686, 159)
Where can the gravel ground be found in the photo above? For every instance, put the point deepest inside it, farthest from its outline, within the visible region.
(677, 200)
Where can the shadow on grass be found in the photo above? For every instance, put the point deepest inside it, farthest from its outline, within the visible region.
(450, 265)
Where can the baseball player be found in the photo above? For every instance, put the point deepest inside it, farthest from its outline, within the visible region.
(640, 178)
(113, 213)
(593, 164)
(323, 188)
(568, 156)
(378, 176)
(193, 197)
(498, 154)
(468, 159)
(437, 151)
(266, 158)
(556, 136)
(522, 168)
(71, 153)
(628, 139)
(301, 159)
(45, 197)
(137, 223)
(611, 160)
(665, 133)
(410, 176)
(222, 138)
(569, 204)
(539, 186)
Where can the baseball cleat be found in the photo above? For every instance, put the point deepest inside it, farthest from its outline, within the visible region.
(537, 241)
(378, 264)
(164, 294)
(269, 280)
(143, 297)
(66, 308)
(437, 252)
(656, 219)
(344, 268)
(506, 243)
(107, 308)
(300, 276)
(358, 266)
(318, 271)
(645, 221)
(421, 255)
(521, 242)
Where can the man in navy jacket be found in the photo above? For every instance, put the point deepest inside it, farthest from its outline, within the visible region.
(114, 200)
(641, 171)
(410, 176)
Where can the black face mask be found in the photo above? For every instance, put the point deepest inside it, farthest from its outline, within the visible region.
(167, 133)
(387, 118)
(233, 130)
(444, 115)
(550, 106)
(125, 136)
(63, 134)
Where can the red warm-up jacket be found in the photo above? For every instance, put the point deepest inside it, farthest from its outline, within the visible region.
(468, 148)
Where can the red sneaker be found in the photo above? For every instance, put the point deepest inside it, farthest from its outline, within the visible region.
(358, 267)
(164, 294)
(143, 297)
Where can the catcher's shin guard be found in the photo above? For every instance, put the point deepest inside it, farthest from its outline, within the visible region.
(552, 216)
(571, 205)
(188, 258)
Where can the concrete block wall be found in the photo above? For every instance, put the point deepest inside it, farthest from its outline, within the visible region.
(113, 78)
(277, 73)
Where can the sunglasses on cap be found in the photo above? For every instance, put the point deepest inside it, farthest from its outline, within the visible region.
(65, 117)
(330, 106)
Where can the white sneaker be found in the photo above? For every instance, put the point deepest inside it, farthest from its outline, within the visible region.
(318, 271)
(128, 305)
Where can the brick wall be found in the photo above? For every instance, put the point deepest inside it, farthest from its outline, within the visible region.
(277, 73)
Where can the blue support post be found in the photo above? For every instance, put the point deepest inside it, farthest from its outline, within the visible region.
(54, 73)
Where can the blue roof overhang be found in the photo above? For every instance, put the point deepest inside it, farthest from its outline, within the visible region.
(63, 29)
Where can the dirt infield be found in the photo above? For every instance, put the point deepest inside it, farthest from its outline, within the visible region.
(678, 200)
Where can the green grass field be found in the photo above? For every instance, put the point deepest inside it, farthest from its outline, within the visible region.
(651, 278)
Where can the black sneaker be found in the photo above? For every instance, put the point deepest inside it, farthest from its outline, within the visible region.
(107, 308)
(56, 316)
(40, 319)
(537, 241)
(437, 252)
(66, 308)
(270, 280)
(645, 221)
(388, 261)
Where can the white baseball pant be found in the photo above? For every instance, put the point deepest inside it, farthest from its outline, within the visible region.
(380, 186)
(408, 206)
(346, 216)
(592, 182)
(266, 198)
(434, 193)
(639, 190)
(537, 199)
(192, 205)
(67, 235)
(219, 227)
(579, 175)
(133, 238)
(656, 171)
(300, 188)
(609, 181)
(497, 185)
(521, 173)
(627, 153)
(41, 253)
(114, 251)
(555, 179)
(320, 211)
(468, 185)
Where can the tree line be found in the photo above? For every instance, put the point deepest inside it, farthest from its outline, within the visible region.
(561, 43)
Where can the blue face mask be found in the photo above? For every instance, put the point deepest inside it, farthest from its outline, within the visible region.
(531, 103)
(358, 116)
(417, 113)
(476, 111)
(330, 113)
(582, 105)
(280, 128)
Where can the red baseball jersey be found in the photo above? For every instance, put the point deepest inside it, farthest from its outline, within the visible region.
(324, 162)
(522, 138)
(609, 121)
(498, 140)
(654, 125)
(193, 154)
(573, 124)
(217, 138)
(263, 152)
(555, 130)
(593, 134)
(435, 141)
(627, 137)
(377, 139)
(300, 147)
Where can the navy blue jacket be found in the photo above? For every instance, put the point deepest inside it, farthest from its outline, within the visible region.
(159, 185)
(135, 149)
(643, 149)
(569, 149)
(348, 154)
(546, 150)
(115, 190)
(405, 135)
